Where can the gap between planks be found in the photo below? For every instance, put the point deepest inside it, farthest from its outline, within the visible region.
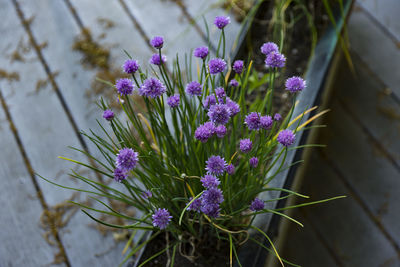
(50, 76)
(359, 200)
(28, 165)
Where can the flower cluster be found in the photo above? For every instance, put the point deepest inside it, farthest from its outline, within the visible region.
(273, 59)
(152, 87)
(156, 59)
(216, 165)
(216, 65)
(131, 66)
(201, 52)
(157, 42)
(124, 86)
(193, 89)
(161, 218)
(205, 132)
(108, 114)
(211, 198)
(221, 21)
(255, 121)
(126, 160)
(203, 147)
(173, 101)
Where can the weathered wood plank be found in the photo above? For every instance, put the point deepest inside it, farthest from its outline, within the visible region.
(109, 21)
(366, 169)
(385, 12)
(343, 224)
(369, 41)
(45, 129)
(22, 241)
(302, 246)
(373, 105)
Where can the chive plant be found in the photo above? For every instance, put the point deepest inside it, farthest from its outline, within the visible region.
(199, 155)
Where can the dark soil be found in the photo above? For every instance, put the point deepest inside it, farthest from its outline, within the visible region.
(297, 49)
(209, 253)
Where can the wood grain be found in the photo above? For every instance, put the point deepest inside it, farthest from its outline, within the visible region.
(363, 35)
(45, 130)
(343, 224)
(369, 173)
(22, 239)
(372, 105)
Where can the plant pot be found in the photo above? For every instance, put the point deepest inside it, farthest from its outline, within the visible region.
(250, 254)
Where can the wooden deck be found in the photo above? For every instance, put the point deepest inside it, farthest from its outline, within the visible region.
(362, 157)
(45, 101)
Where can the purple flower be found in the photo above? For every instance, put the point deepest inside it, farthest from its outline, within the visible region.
(230, 169)
(233, 107)
(219, 113)
(257, 204)
(220, 130)
(147, 194)
(245, 145)
(201, 52)
(204, 132)
(212, 195)
(286, 137)
(120, 174)
(275, 60)
(269, 47)
(221, 21)
(131, 66)
(209, 101)
(215, 165)
(161, 218)
(220, 92)
(173, 101)
(210, 181)
(252, 121)
(155, 59)
(295, 84)
(233, 83)
(193, 88)
(266, 122)
(152, 87)
(108, 114)
(211, 209)
(157, 42)
(216, 65)
(127, 159)
(238, 66)
(253, 162)
(277, 117)
(195, 205)
(124, 86)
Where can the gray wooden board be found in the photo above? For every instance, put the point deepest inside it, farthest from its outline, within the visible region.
(369, 173)
(375, 48)
(365, 97)
(342, 223)
(45, 132)
(385, 12)
(22, 243)
(302, 246)
(122, 35)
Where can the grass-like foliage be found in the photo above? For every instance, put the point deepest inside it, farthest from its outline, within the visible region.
(195, 159)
